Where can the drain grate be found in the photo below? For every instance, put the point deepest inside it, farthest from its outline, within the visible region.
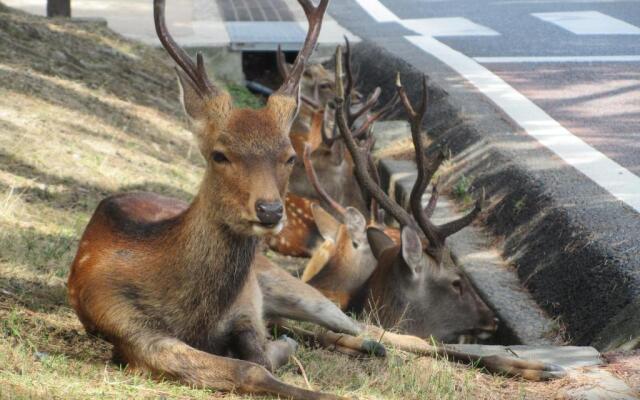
(255, 10)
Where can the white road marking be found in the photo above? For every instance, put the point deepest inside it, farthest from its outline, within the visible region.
(608, 174)
(557, 59)
(378, 11)
(589, 23)
(454, 26)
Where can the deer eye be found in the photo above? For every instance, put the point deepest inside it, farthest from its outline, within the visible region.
(219, 157)
(292, 160)
(325, 85)
(457, 285)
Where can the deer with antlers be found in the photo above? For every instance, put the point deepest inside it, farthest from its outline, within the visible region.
(409, 288)
(178, 296)
(317, 131)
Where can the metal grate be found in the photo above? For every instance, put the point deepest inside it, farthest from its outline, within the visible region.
(254, 10)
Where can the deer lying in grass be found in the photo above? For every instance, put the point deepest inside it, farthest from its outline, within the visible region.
(178, 296)
(437, 302)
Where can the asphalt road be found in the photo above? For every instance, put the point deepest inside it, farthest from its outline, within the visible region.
(579, 61)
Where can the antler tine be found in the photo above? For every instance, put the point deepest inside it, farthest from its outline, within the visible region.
(454, 226)
(360, 162)
(350, 82)
(375, 209)
(281, 62)
(371, 119)
(197, 73)
(313, 178)
(372, 100)
(326, 138)
(291, 85)
(433, 200)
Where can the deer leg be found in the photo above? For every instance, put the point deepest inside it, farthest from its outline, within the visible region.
(530, 370)
(343, 343)
(287, 297)
(169, 356)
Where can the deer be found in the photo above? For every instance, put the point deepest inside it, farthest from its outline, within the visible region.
(332, 161)
(300, 237)
(366, 269)
(178, 296)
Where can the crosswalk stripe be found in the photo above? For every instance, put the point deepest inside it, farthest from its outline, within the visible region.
(588, 23)
(453, 26)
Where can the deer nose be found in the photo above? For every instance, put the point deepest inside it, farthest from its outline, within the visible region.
(269, 213)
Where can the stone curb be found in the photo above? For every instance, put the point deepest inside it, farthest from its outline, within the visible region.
(573, 273)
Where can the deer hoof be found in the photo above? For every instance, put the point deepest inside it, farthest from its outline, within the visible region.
(374, 348)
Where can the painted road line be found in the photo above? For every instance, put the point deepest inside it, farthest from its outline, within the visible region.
(589, 23)
(557, 59)
(608, 174)
(454, 26)
(605, 172)
(378, 11)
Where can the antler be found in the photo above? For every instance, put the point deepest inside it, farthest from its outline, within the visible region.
(196, 72)
(359, 159)
(283, 69)
(313, 178)
(291, 84)
(435, 234)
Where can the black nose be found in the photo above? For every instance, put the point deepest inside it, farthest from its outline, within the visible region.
(269, 213)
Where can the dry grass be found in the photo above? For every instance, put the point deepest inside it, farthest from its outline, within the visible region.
(84, 114)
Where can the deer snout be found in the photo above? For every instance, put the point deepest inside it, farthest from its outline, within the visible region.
(269, 212)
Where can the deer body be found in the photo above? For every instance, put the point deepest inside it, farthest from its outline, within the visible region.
(172, 287)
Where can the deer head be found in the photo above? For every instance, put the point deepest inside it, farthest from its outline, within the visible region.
(248, 152)
(410, 287)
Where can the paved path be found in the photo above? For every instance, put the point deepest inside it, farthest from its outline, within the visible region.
(576, 63)
(242, 24)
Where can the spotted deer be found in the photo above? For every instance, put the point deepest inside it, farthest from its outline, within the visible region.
(328, 153)
(300, 236)
(178, 296)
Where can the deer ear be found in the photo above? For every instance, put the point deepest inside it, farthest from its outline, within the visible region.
(378, 241)
(193, 104)
(327, 225)
(411, 249)
(283, 109)
(355, 221)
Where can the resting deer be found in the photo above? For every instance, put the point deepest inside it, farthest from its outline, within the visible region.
(404, 284)
(300, 237)
(178, 296)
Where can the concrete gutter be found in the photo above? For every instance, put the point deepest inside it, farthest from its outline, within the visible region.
(572, 245)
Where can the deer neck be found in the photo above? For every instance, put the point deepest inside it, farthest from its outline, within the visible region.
(212, 262)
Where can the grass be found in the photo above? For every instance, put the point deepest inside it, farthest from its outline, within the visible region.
(69, 136)
(461, 191)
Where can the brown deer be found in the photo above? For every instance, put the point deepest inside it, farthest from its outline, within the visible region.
(334, 166)
(300, 236)
(178, 296)
(365, 270)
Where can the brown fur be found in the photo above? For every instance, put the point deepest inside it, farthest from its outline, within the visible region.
(171, 286)
(345, 270)
(300, 236)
